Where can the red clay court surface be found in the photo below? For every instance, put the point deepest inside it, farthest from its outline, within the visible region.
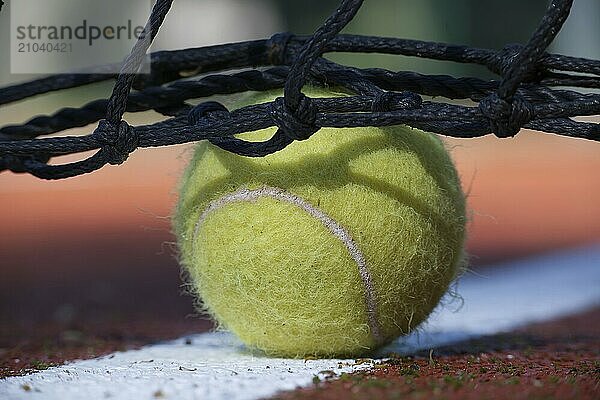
(552, 360)
(558, 359)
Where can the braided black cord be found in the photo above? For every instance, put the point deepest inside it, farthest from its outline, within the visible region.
(294, 114)
(167, 65)
(118, 99)
(522, 98)
(165, 98)
(506, 114)
(116, 138)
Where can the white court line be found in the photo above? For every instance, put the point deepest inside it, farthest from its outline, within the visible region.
(510, 295)
(215, 366)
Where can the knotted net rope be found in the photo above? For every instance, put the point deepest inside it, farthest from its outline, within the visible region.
(537, 90)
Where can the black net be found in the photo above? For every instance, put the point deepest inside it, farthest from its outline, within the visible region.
(532, 93)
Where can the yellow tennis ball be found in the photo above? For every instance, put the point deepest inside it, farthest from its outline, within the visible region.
(333, 246)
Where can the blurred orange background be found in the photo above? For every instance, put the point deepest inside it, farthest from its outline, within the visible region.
(531, 193)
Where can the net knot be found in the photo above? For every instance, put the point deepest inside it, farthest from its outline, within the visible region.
(206, 110)
(389, 101)
(506, 118)
(118, 141)
(296, 124)
(277, 48)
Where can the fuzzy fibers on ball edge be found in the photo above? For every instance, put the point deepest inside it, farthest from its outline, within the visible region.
(333, 246)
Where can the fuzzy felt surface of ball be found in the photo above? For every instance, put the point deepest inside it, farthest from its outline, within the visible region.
(333, 246)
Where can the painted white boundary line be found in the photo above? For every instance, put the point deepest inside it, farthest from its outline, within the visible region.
(510, 295)
(215, 365)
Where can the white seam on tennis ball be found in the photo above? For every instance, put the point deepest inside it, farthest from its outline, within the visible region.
(336, 229)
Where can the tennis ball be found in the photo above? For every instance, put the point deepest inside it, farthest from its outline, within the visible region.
(333, 246)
